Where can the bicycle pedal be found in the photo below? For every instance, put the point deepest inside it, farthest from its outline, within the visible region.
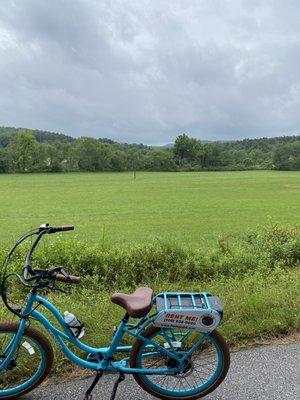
(88, 397)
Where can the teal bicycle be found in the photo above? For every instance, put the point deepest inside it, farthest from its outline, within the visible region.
(176, 352)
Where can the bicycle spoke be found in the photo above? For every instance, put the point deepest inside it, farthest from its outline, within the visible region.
(200, 366)
(23, 364)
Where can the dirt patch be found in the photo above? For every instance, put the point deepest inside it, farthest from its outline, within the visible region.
(292, 186)
(293, 338)
(268, 341)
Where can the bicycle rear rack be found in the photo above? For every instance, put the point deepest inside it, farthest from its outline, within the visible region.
(199, 311)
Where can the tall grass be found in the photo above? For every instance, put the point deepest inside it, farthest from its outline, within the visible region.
(161, 261)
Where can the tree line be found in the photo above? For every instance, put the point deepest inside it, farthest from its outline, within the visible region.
(24, 150)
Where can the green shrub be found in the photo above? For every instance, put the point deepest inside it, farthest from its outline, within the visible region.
(169, 261)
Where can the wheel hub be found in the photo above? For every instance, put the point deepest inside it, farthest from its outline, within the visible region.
(187, 369)
(172, 363)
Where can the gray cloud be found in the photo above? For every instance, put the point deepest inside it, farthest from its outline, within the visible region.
(145, 71)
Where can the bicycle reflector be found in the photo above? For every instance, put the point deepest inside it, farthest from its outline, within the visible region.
(201, 312)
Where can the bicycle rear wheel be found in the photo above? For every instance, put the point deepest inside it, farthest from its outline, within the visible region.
(203, 371)
(30, 364)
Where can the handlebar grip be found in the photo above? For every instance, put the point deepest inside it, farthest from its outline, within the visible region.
(65, 228)
(67, 279)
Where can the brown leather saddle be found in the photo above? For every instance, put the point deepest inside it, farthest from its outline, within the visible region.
(137, 304)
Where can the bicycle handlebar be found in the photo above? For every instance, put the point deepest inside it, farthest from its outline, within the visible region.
(43, 229)
(36, 279)
(64, 228)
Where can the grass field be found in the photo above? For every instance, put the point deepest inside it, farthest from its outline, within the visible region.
(252, 272)
(190, 207)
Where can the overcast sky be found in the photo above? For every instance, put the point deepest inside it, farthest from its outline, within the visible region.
(148, 70)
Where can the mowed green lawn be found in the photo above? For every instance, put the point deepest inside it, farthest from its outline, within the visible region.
(191, 207)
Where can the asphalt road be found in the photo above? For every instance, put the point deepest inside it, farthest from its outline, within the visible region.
(263, 373)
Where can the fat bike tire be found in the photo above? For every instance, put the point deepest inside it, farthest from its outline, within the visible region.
(150, 385)
(35, 347)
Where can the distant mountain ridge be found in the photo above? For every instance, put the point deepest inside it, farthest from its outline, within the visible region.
(40, 135)
(27, 150)
(47, 136)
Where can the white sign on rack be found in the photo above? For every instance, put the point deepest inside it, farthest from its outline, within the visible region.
(198, 320)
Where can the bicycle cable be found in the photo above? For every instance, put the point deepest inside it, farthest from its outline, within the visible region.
(4, 276)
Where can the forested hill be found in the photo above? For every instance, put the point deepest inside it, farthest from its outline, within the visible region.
(7, 133)
(24, 150)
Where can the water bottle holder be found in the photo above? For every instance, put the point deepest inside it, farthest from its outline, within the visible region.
(79, 330)
(76, 330)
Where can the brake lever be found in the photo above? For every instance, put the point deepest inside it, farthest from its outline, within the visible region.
(64, 273)
(56, 269)
(56, 289)
(52, 285)
(59, 269)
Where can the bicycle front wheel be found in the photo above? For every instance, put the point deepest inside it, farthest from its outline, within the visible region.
(29, 365)
(203, 370)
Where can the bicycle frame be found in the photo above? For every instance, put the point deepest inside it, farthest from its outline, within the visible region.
(104, 354)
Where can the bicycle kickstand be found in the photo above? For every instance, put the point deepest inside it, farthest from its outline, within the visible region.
(116, 384)
(88, 393)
